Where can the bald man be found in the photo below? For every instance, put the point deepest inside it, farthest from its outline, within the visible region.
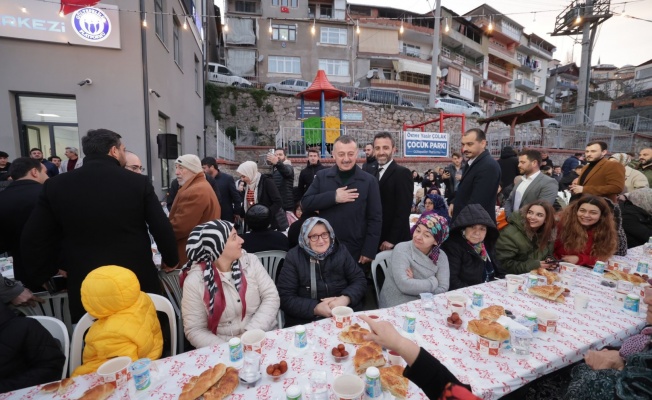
(133, 163)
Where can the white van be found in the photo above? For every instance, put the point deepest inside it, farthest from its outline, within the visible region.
(218, 73)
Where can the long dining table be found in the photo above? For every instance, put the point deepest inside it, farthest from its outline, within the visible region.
(490, 377)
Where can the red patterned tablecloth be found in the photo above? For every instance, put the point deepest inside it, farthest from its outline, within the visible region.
(489, 377)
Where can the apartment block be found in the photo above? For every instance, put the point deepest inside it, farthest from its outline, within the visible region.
(534, 55)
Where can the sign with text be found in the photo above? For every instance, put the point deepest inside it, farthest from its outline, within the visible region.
(352, 115)
(425, 144)
(308, 111)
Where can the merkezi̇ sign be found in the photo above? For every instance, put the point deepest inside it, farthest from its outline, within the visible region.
(425, 144)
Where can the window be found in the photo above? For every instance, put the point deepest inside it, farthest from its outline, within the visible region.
(176, 40)
(519, 96)
(335, 67)
(166, 165)
(519, 75)
(275, 3)
(325, 11)
(413, 77)
(198, 146)
(333, 35)
(159, 19)
(179, 139)
(287, 3)
(311, 10)
(284, 65)
(537, 81)
(284, 32)
(412, 50)
(196, 75)
(245, 6)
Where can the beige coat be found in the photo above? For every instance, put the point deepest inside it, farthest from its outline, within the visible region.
(634, 179)
(262, 305)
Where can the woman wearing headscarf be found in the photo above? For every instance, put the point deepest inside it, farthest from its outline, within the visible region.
(226, 291)
(470, 248)
(259, 189)
(435, 204)
(637, 217)
(318, 275)
(634, 179)
(418, 265)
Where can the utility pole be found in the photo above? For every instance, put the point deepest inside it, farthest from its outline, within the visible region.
(435, 55)
(585, 66)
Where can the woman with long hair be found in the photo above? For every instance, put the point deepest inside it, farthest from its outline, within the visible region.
(528, 240)
(586, 232)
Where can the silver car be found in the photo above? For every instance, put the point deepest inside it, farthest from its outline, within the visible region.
(457, 106)
(288, 86)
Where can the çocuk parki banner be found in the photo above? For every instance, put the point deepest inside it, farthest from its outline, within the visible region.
(425, 144)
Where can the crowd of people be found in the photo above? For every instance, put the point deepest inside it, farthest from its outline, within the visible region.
(478, 219)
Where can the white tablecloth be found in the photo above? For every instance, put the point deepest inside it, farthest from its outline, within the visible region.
(489, 377)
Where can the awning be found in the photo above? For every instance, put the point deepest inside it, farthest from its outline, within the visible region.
(414, 66)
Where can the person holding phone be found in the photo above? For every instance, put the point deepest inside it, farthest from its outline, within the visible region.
(527, 242)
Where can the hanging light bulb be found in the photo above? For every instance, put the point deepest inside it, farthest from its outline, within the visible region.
(578, 20)
(401, 30)
(24, 10)
(61, 14)
(357, 27)
(447, 27)
(313, 29)
(225, 27)
(491, 25)
(185, 23)
(145, 20)
(270, 26)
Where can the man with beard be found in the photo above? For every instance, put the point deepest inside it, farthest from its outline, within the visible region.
(599, 177)
(479, 184)
(534, 186)
(371, 165)
(37, 154)
(349, 199)
(307, 175)
(644, 163)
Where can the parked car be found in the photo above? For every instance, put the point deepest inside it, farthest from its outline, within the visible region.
(288, 86)
(381, 96)
(547, 123)
(220, 74)
(456, 106)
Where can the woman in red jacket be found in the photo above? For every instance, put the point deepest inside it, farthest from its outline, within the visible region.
(587, 232)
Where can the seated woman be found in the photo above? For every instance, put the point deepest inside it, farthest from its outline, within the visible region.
(417, 200)
(528, 239)
(126, 324)
(637, 217)
(418, 266)
(470, 248)
(319, 258)
(262, 237)
(225, 290)
(586, 232)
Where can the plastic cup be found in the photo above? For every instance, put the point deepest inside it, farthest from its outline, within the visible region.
(342, 316)
(251, 366)
(116, 370)
(624, 286)
(253, 340)
(581, 302)
(567, 279)
(547, 321)
(567, 267)
(488, 347)
(427, 301)
(619, 298)
(347, 387)
(456, 303)
(521, 340)
(394, 358)
(513, 283)
(139, 370)
(318, 385)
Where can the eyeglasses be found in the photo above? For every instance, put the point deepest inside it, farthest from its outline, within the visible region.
(323, 236)
(135, 168)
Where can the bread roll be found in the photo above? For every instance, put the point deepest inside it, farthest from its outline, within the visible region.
(492, 313)
(488, 329)
(225, 386)
(99, 392)
(198, 385)
(392, 379)
(368, 355)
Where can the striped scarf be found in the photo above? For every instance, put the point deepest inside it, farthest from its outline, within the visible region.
(205, 245)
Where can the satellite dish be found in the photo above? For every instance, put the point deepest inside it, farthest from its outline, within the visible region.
(444, 72)
(370, 73)
(261, 58)
(357, 84)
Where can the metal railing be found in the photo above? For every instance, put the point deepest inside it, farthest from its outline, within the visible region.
(225, 148)
(385, 96)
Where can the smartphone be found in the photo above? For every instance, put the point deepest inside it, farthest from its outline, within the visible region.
(57, 284)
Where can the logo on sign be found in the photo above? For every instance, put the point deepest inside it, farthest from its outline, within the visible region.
(91, 24)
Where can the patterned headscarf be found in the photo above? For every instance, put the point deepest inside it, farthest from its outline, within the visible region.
(205, 245)
(438, 227)
(439, 206)
(304, 241)
(479, 248)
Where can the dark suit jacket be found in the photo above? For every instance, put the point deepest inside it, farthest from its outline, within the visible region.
(606, 179)
(396, 192)
(479, 185)
(99, 215)
(228, 196)
(16, 205)
(542, 187)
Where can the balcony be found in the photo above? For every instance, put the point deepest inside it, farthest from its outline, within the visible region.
(390, 84)
(448, 58)
(245, 7)
(499, 73)
(524, 84)
(490, 93)
(567, 85)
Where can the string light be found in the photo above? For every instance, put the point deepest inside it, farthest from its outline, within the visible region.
(491, 24)
(270, 26)
(401, 30)
(185, 24)
(357, 27)
(225, 27)
(24, 10)
(145, 20)
(61, 14)
(578, 19)
(313, 29)
(447, 28)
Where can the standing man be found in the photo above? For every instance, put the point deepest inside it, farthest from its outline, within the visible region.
(349, 199)
(395, 184)
(97, 215)
(227, 194)
(479, 184)
(283, 175)
(571, 163)
(371, 165)
(18, 201)
(534, 186)
(453, 175)
(599, 177)
(4, 166)
(645, 163)
(307, 175)
(37, 154)
(195, 202)
(73, 162)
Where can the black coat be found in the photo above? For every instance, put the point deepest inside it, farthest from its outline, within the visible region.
(17, 203)
(337, 275)
(637, 224)
(479, 185)
(269, 196)
(465, 265)
(306, 176)
(283, 175)
(228, 196)
(29, 355)
(566, 181)
(356, 224)
(396, 190)
(266, 240)
(508, 166)
(371, 166)
(99, 215)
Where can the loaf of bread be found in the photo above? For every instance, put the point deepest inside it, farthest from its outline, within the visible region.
(368, 355)
(392, 379)
(548, 292)
(354, 334)
(198, 385)
(58, 386)
(99, 392)
(224, 387)
(551, 277)
(492, 313)
(488, 329)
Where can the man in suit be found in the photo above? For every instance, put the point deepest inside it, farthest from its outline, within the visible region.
(97, 215)
(395, 184)
(481, 176)
(599, 177)
(534, 186)
(227, 194)
(18, 201)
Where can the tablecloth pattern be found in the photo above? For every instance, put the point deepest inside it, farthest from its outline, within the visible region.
(490, 377)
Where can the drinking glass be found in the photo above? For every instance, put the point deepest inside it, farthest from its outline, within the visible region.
(521, 340)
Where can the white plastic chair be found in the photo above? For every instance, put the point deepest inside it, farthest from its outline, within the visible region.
(270, 260)
(58, 331)
(174, 293)
(77, 344)
(382, 261)
(55, 306)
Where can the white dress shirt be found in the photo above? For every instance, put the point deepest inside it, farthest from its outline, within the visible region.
(382, 169)
(520, 189)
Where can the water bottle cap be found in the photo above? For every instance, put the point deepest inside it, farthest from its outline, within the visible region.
(373, 372)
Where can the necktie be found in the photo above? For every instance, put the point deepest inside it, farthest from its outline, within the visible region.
(380, 170)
